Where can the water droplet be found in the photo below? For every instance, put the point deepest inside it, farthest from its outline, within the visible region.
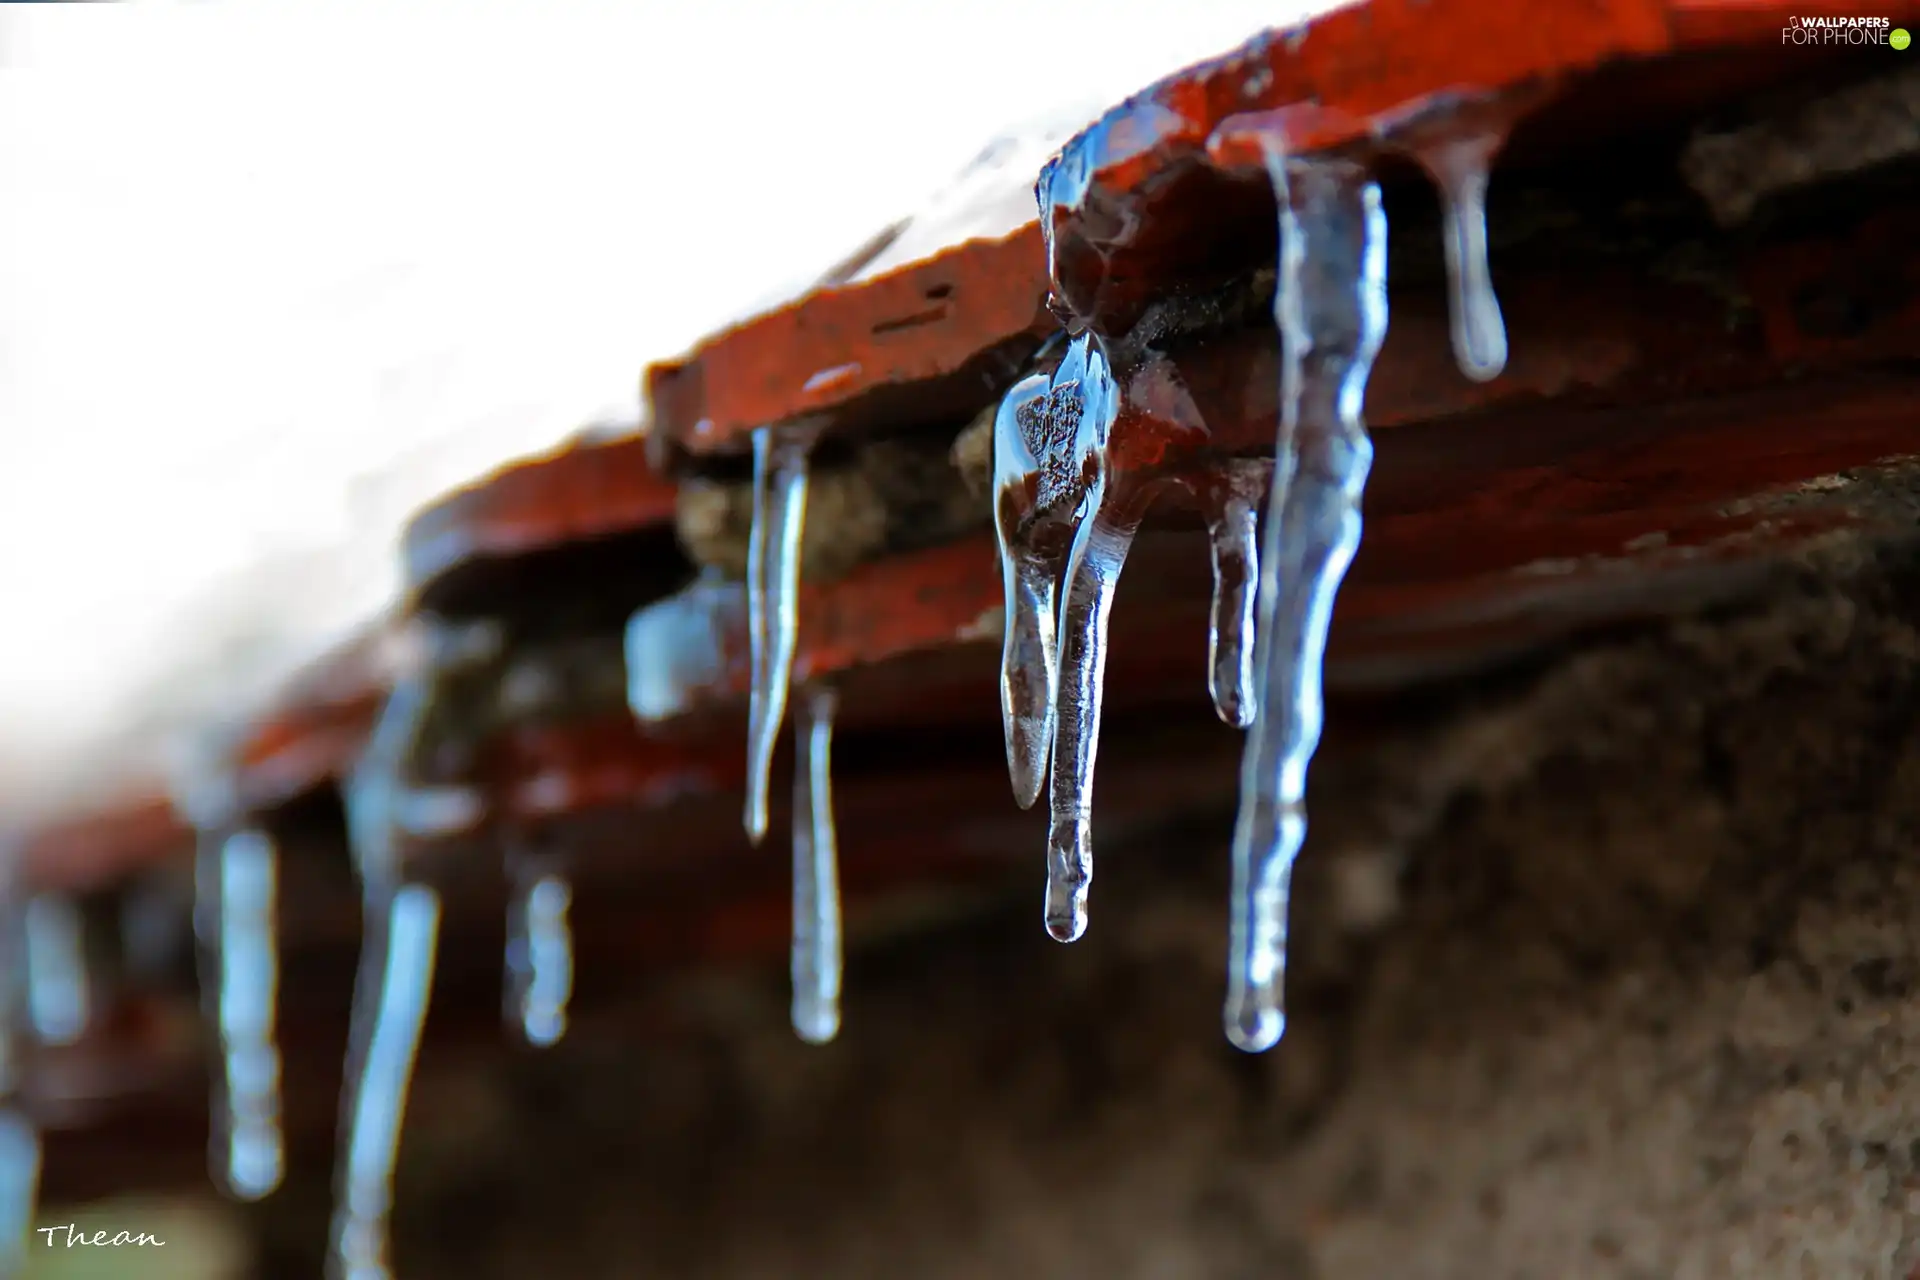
(58, 999)
(399, 960)
(1230, 500)
(773, 588)
(1331, 309)
(539, 954)
(816, 877)
(1460, 168)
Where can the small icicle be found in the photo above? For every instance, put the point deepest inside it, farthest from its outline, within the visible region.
(816, 876)
(57, 984)
(1030, 567)
(1460, 168)
(540, 953)
(249, 1152)
(1331, 309)
(375, 791)
(19, 1139)
(372, 1137)
(19, 1187)
(1233, 523)
(773, 586)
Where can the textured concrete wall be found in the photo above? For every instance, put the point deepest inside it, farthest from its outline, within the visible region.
(1605, 970)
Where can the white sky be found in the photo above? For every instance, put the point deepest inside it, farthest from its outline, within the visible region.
(272, 275)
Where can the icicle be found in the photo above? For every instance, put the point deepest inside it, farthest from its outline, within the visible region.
(57, 994)
(374, 792)
(1460, 168)
(1331, 309)
(1062, 188)
(235, 891)
(816, 876)
(249, 1152)
(1050, 474)
(19, 1188)
(19, 1139)
(773, 585)
(1030, 567)
(539, 953)
(372, 1137)
(1084, 404)
(397, 925)
(1233, 523)
(1099, 551)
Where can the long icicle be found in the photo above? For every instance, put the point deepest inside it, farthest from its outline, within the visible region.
(1030, 573)
(236, 873)
(247, 1146)
(360, 1230)
(817, 953)
(1078, 483)
(1100, 547)
(1460, 168)
(373, 801)
(19, 1138)
(773, 585)
(1331, 309)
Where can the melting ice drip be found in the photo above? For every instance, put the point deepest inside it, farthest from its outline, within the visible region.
(237, 876)
(539, 953)
(816, 877)
(399, 924)
(19, 1139)
(1331, 309)
(773, 587)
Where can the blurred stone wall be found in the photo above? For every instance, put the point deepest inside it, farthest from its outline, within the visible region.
(1604, 969)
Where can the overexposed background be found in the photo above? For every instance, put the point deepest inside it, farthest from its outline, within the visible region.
(271, 276)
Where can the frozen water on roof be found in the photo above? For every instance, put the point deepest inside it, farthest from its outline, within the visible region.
(273, 277)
